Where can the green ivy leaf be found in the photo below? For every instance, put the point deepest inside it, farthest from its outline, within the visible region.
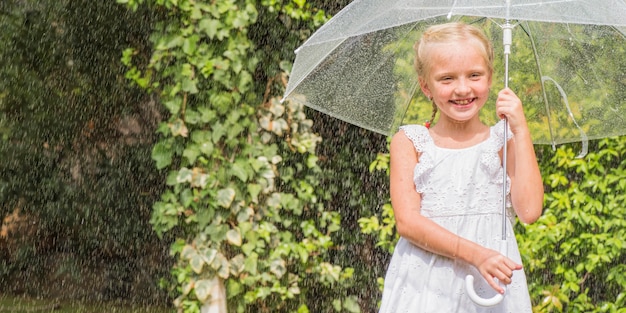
(173, 105)
(222, 266)
(254, 190)
(191, 153)
(251, 263)
(190, 44)
(209, 26)
(351, 305)
(225, 197)
(234, 237)
(208, 255)
(185, 175)
(196, 262)
(190, 86)
(278, 267)
(238, 169)
(162, 154)
(237, 264)
(178, 128)
(203, 288)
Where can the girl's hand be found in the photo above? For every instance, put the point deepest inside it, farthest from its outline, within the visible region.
(510, 106)
(491, 265)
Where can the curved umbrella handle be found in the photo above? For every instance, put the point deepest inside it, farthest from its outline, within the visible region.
(469, 286)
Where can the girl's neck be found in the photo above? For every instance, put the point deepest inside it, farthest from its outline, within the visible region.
(457, 135)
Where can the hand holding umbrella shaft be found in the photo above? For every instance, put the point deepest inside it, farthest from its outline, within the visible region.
(509, 106)
(493, 265)
(522, 168)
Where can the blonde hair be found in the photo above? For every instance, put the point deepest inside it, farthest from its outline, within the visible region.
(450, 32)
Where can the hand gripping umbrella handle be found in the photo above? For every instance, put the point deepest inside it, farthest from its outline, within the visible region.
(469, 286)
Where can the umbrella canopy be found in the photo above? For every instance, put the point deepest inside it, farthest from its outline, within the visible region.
(568, 63)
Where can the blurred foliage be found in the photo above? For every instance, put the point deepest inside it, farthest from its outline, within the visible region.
(575, 253)
(345, 152)
(25, 304)
(244, 189)
(76, 184)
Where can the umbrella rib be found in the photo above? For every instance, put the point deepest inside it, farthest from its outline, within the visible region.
(543, 87)
(583, 136)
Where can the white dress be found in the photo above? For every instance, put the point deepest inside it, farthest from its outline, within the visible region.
(462, 191)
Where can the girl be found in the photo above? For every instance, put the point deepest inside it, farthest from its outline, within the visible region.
(446, 185)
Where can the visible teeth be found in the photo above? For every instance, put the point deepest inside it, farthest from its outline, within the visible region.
(462, 102)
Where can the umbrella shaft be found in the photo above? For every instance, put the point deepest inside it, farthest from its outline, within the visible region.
(504, 176)
(507, 40)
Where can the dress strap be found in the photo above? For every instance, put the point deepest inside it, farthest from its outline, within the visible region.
(497, 132)
(418, 134)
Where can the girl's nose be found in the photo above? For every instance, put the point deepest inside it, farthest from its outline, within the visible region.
(462, 87)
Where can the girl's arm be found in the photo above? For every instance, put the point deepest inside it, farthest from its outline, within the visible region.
(526, 183)
(428, 235)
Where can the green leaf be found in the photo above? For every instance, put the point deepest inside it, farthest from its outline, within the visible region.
(208, 255)
(162, 154)
(186, 197)
(209, 26)
(351, 305)
(238, 170)
(203, 141)
(222, 102)
(175, 41)
(245, 215)
(190, 86)
(173, 105)
(278, 267)
(207, 115)
(178, 128)
(185, 175)
(190, 44)
(218, 132)
(251, 263)
(234, 237)
(196, 262)
(237, 264)
(254, 190)
(222, 266)
(191, 153)
(225, 197)
(204, 287)
(127, 56)
(188, 252)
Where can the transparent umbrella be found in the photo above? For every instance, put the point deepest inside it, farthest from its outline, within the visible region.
(568, 65)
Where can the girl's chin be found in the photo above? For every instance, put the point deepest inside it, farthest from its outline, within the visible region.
(463, 116)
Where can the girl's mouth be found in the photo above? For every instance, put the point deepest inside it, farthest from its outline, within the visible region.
(463, 102)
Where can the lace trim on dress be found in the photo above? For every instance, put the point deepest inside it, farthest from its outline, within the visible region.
(490, 159)
(420, 137)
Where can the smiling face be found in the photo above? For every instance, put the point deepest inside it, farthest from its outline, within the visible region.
(458, 79)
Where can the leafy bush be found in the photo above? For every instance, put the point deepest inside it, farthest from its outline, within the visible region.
(575, 253)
